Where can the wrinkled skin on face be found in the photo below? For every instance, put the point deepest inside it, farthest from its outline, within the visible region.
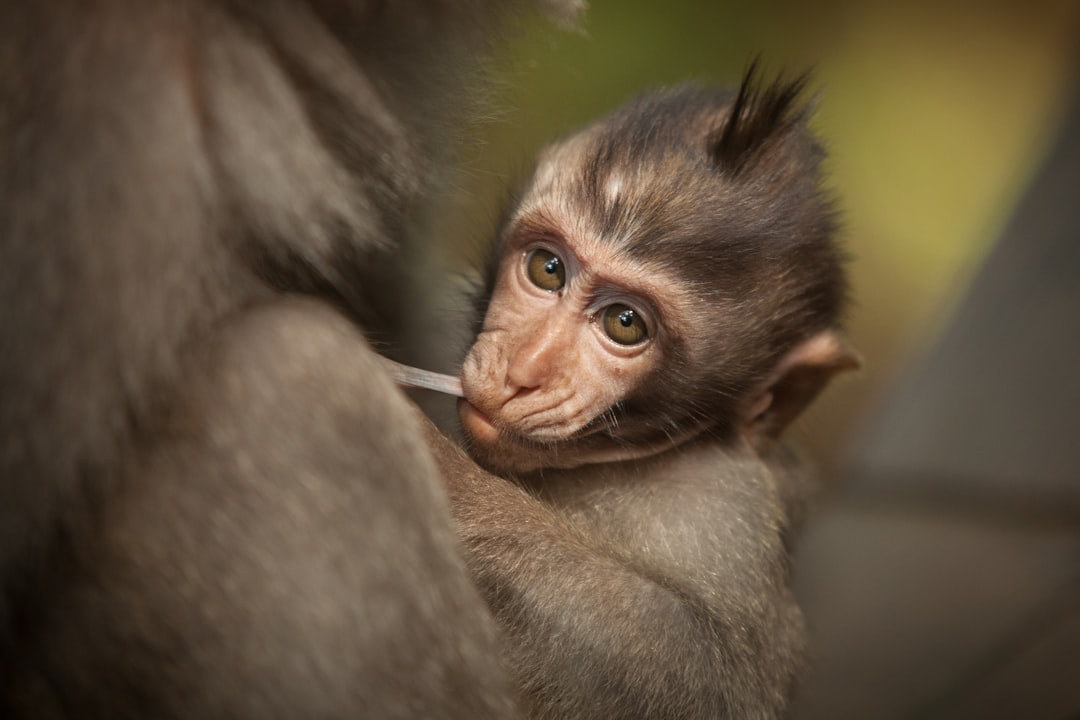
(569, 333)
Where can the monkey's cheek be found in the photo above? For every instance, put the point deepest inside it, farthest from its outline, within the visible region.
(476, 424)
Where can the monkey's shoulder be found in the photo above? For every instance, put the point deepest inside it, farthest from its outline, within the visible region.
(700, 506)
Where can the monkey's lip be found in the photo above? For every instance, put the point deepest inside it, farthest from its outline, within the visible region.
(476, 423)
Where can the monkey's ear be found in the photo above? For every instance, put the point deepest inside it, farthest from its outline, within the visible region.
(797, 379)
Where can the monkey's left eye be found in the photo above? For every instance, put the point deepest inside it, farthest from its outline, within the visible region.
(624, 325)
(546, 270)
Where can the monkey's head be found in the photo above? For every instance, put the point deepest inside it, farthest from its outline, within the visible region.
(669, 272)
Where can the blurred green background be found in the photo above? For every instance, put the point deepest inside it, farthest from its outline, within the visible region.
(935, 114)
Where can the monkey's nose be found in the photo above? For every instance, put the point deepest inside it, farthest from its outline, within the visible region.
(537, 354)
(528, 370)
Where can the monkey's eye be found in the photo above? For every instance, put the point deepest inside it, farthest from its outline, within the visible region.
(546, 270)
(623, 324)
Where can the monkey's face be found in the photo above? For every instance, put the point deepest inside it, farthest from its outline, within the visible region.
(571, 330)
(671, 237)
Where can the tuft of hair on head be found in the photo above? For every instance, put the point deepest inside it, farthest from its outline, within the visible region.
(758, 114)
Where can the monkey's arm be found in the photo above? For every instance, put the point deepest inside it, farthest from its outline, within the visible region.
(650, 600)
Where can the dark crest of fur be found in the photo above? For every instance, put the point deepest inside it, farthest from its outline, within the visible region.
(756, 115)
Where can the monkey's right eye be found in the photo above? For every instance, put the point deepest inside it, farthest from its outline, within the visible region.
(546, 270)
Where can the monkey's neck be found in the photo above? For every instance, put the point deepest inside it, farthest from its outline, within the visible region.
(638, 450)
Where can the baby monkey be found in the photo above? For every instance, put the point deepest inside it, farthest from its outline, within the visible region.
(665, 297)
(668, 273)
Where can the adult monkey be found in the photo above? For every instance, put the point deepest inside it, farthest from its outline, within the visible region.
(212, 501)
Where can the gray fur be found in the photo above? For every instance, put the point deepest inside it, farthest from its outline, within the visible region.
(214, 504)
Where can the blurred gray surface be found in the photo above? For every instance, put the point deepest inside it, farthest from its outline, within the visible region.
(919, 614)
(944, 580)
(992, 410)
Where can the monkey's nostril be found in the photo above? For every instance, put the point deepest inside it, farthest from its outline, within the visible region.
(523, 392)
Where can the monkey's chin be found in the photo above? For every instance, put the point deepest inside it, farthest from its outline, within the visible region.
(489, 448)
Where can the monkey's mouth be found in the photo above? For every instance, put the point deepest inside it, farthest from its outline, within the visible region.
(502, 450)
(476, 423)
(483, 428)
